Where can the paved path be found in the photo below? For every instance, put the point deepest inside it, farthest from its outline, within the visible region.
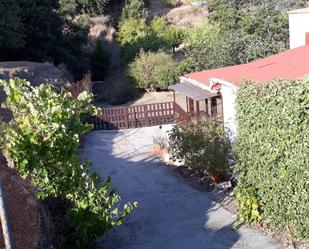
(171, 214)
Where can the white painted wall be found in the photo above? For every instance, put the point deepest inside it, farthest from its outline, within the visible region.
(298, 26)
(229, 108)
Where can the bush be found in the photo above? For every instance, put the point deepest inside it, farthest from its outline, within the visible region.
(205, 149)
(131, 30)
(133, 9)
(204, 34)
(99, 62)
(171, 36)
(42, 140)
(76, 7)
(171, 3)
(240, 49)
(152, 71)
(272, 151)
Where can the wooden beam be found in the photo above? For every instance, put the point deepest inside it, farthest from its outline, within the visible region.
(198, 111)
(214, 110)
(206, 107)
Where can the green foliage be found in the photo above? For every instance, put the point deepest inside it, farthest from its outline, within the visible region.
(205, 149)
(272, 150)
(207, 49)
(173, 37)
(264, 19)
(235, 34)
(136, 34)
(132, 30)
(11, 26)
(42, 140)
(152, 70)
(37, 31)
(204, 34)
(249, 208)
(171, 3)
(158, 25)
(76, 7)
(99, 62)
(133, 9)
(239, 49)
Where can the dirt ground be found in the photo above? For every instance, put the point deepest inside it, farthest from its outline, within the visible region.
(34, 72)
(184, 15)
(151, 98)
(23, 210)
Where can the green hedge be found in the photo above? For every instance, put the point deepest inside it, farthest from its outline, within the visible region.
(273, 151)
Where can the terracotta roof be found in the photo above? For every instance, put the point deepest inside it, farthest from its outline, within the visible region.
(291, 64)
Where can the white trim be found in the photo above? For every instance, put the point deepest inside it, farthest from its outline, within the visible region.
(197, 83)
(223, 82)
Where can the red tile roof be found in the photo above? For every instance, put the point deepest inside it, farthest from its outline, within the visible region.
(291, 64)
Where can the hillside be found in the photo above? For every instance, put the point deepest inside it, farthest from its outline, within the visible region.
(34, 72)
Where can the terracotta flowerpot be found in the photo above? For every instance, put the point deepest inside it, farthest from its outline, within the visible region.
(157, 150)
(214, 179)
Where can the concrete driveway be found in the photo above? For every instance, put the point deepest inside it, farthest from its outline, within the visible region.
(171, 213)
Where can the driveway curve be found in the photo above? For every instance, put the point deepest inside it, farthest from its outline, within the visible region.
(171, 213)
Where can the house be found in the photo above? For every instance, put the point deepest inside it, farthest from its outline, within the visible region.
(213, 92)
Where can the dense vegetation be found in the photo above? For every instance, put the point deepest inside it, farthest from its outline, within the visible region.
(43, 30)
(41, 142)
(152, 71)
(235, 32)
(205, 149)
(272, 154)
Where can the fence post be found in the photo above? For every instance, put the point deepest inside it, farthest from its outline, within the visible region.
(126, 117)
(146, 115)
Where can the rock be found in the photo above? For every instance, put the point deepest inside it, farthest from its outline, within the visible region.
(199, 4)
(224, 186)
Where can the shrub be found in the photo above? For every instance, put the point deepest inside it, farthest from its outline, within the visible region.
(158, 25)
(272, 151)
(249, 206)
(42, 140)
(171, 3)
(205, 148)
(152, 70)
(173, 37)
(240, 49)
(133, 9)
(131, 30)
(99, 62)
(204, 34)
(76, 7)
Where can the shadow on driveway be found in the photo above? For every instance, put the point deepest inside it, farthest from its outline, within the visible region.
(171, 213)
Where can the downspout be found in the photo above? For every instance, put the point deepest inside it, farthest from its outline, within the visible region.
(4, 221)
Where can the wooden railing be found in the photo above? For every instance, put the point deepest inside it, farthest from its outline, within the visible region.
(126, 117)
(182, 117)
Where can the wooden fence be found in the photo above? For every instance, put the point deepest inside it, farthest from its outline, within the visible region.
(126, 117)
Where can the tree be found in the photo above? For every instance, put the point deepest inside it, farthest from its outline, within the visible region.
(40, 32)
(133, 9)
(152, 70)
(99, 62)
(76, 7)
(264, 18)
(11, 26)
(41, 142)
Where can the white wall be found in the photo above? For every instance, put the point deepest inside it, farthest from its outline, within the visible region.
(229, 108)
(299, 25)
